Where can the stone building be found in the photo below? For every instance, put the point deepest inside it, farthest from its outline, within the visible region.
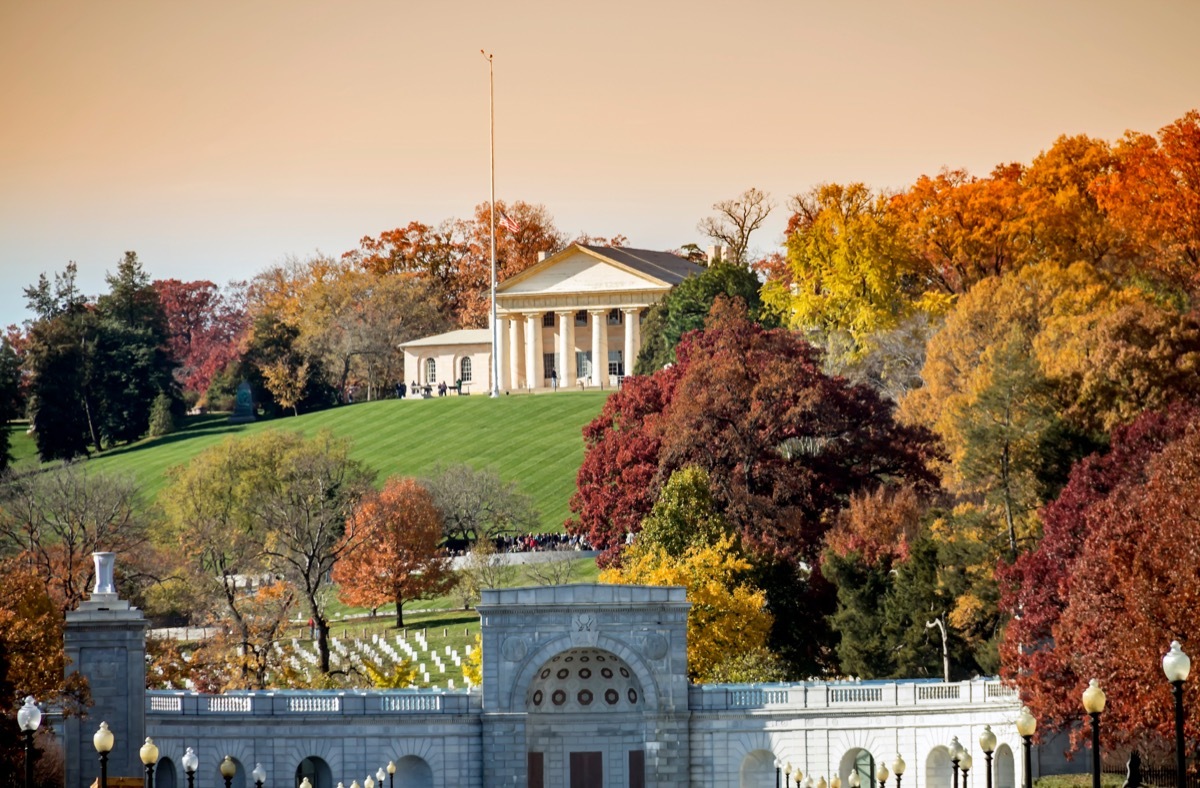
(577, 313)
(583, 686)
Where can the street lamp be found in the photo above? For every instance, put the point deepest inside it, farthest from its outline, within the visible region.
(898, 767)
(228, 769)
(259, 774)
(380, 776)
(103, 741)
(987, 743)
(964, 763)
(956, 754)
(821, 782)
(392, 775)
(808, 781)
(855, 781)
(369, 782)
(835, 781)
(190, 762)
(778, 771)
(787, 774)
(881, 774)
(1026, 727)
(149, 755)
(1176, 665)
(29, 717)
(1093, 704)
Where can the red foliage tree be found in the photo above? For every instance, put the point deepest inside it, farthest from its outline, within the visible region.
(399, 558)
(1057, 600)
(784, 444)
(203, 329)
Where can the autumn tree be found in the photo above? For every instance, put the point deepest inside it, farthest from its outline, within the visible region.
(735, 221)
(204, 329)
(1038, 588)
(398, 556)
(1153, 194)
(728, 615)
(848, 273)
(684, 515)
(484, 567)
(248, 657)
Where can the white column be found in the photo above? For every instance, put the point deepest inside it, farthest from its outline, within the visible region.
(533, 350)
(515, 351)
(501, 365)
(633, 339)
(566, 348)
(599, 318)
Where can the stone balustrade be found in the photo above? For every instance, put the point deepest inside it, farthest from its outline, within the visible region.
(163, 704)
(849, 695)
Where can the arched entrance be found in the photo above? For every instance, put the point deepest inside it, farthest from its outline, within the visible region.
(567, 742)
(165, 775)
(316, 770)
(413, 771)
(1006, 775)
(938, 768)
(758, 769)
(858, 761)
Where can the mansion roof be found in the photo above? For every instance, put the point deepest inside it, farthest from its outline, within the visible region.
(463, 336)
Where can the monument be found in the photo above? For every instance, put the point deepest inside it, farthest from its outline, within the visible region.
(243, 405)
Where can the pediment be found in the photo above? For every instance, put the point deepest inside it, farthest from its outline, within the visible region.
(578, 271)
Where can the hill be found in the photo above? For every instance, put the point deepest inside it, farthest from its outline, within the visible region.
(535, 441)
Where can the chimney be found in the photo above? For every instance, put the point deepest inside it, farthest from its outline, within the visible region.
(542, 256)
(715, 254)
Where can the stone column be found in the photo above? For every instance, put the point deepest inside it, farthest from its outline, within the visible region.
(515, 353)
(105, 640)
(500, 365)
(566, 349)
(633, 337)
(533, 350)
(599, 319)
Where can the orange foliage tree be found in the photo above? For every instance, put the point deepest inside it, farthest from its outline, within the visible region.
(398, 555)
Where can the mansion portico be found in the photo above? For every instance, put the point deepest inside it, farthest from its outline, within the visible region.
(575, 316)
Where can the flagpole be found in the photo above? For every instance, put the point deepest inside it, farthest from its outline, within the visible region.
(492, 208)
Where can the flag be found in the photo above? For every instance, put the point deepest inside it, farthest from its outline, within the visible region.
(509, 224)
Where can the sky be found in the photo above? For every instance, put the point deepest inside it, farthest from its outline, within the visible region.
(216, 139)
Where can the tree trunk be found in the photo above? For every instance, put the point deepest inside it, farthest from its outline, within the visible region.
(322, 634)
(399, 613)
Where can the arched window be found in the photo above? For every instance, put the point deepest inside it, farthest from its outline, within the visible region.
(464, 368)
(430, 371)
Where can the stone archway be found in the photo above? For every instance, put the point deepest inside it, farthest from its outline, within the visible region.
(860, 761)
(316, 770)
(1006, 773)
(165, 775)
(413, 772)
(758, 769)
(938, 768)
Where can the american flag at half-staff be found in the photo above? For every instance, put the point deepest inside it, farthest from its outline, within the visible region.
(509, 224)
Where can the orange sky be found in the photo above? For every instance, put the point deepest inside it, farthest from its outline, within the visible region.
(217, 138)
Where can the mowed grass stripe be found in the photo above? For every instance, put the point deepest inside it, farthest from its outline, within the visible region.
(535, 441)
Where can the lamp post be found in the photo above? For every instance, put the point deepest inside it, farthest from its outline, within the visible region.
(149, 755)
(228, 768)
(987, 743)
(956, 754)
(1177, 665)
(369, 782)
(808, 781)
(964, 763)
(778, 771)
(898, 767)
(380, 776)
(392, 775)
(881, 774)
(855, 781)
(259, 774)
(29, 717)
(787, 774)
(1093, 704)
(1026, 727)
(103, 741)
(835, 781)
(190, 762)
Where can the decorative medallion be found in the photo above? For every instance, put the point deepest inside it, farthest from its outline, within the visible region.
(559, 697)
(514, 649)
(606, 673)
(611, 696)
(563, 673)
(632, 695)
(585, 697)
(537, 698)
(584, 673)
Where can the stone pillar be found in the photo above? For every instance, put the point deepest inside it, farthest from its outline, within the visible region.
(633, 337)
(599, 319)
(105, 640)
(534, 375)
(516, 353)
(566, 349)
(500, 366)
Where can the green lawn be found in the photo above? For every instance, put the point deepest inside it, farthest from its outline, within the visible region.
(535, 441)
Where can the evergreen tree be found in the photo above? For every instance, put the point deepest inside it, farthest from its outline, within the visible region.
(10, 398)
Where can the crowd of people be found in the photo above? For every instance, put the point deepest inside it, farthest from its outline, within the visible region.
(534, 543)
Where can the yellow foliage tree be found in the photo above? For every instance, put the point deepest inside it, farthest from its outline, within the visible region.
(472, 666)
(728, 616)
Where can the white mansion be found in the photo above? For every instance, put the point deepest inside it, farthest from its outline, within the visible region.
(571, 320)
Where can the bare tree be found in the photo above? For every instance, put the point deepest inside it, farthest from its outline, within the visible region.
(557, 569)
(485, 567)
(477, 505)
(736, 220)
